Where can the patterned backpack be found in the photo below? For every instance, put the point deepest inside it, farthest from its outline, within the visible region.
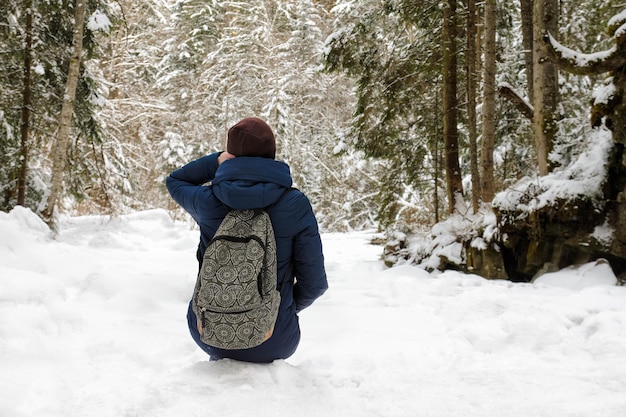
(235, 298)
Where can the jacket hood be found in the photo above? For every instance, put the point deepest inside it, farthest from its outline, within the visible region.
(251, 182)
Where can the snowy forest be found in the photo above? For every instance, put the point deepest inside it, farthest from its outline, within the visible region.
(460, 128)
(477, 146)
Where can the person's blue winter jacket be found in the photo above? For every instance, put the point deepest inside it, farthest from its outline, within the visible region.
(254, 182)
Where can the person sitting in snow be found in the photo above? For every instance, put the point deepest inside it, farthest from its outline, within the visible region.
(247, 176)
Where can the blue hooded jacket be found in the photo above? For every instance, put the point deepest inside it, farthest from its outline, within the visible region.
(247, 183)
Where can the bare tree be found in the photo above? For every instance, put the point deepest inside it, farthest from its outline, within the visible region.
(65, 118)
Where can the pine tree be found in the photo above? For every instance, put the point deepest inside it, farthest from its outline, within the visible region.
(545, 83)
(489, 103)
(450, 106)
(26, 105)
(388, 49)
(30, 107)
(260, 58)
(11, 119)
(471, 67)
(609, 106)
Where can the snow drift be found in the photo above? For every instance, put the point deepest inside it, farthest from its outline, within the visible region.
(93, 324)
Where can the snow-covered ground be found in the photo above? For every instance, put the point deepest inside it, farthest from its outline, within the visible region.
(93, 324)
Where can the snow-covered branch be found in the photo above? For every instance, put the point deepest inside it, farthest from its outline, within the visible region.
(581, 63)
(523, 106)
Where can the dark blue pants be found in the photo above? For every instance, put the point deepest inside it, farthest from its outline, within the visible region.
(276, 347)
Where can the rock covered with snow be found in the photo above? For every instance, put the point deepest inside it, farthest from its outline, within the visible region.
(570, 216)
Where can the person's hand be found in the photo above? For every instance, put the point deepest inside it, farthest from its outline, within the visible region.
(224, 156)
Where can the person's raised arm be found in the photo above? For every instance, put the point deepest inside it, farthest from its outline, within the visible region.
(184, 183)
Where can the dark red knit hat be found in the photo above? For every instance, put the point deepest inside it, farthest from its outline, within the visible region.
(251, 137)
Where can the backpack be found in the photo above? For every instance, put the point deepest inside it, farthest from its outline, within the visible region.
(235, 298)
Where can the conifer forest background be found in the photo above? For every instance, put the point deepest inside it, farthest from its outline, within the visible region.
(391, 113)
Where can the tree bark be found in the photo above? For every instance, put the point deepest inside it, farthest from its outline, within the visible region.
(450, 106)
(545, 83)
(489, 102)
(436, 180)
(471, 101)
(26, 104)
(65, 118)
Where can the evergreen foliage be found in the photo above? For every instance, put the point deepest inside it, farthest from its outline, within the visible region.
(387, 48)
(52, 37)
(353, 90)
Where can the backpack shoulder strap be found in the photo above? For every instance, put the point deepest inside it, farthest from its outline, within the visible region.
(281, 280)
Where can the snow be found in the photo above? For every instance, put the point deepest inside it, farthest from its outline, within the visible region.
(426, 250)
(92, 323)
(598, 273)
(618, 18)
(99, 21)
(604, 93)
(39, 69)
(583, 179)
(603, 233)
(579, 58)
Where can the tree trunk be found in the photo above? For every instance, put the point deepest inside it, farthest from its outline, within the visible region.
(527, 42)
(545, 83)
(480, 11)
(450, 104)
(471, 101)
(26, 103)
(436, 181)
(489, 102)
(65, 118)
